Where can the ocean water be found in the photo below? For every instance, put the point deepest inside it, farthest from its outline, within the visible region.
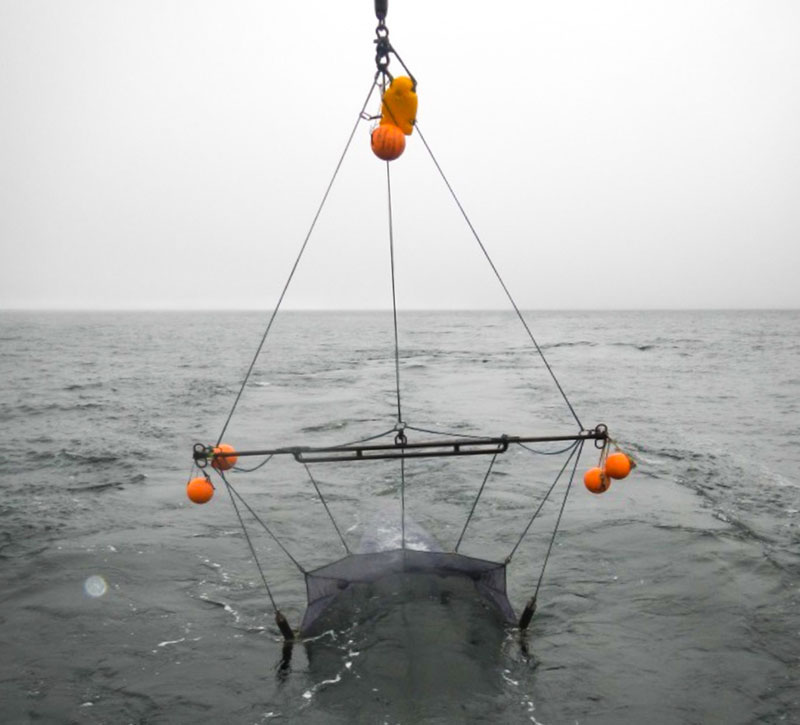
(672, 598)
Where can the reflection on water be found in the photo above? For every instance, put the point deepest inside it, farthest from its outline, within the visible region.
(406, 647)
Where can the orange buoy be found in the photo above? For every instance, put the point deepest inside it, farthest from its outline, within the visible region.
(618, 465)
(226, 462)
(388, 142)
(199, 490)
(596, 480)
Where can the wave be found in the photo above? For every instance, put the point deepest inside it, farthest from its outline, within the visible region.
(29, 409)
(746, 495)
(574, 343)
(70, 460)
(91, 458)
(643, 347)
(82, 386)
(324, 427)
(94, 487)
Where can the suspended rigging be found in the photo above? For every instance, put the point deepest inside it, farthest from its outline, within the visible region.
(396, 121)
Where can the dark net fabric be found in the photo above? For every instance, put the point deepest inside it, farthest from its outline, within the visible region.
(325, 584)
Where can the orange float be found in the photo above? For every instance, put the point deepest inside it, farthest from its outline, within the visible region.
(199, 490)
(596, 480)
(226, 462)
(388, 142)
(618, 465)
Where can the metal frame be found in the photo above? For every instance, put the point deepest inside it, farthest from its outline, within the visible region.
(400, 448)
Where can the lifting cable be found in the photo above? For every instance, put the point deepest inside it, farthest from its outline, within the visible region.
(233, 491)
(574, 448)
(324, 503)
(499, 277)
(475, 502)
(382, 50)
(280, 619)
(394, 296)
(299, 257)
(530, 607)
(400, 438)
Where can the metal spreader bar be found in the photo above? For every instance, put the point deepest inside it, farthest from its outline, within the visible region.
(400, 448)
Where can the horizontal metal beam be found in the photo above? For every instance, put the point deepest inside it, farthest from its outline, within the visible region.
(430, 449)
(400, 448)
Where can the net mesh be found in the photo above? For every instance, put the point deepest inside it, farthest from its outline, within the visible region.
(325, 584)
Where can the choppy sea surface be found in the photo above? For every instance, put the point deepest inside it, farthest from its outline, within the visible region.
(672, 598)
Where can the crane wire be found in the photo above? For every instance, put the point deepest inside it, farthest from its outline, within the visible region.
(297, 260)
(499, 277)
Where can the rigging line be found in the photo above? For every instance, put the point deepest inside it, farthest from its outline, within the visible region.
(475, 502)
(400, 424)
(403, 502)
(394, 295)
(480, 437)
(330, 515)
(444, 433)
(250, 544)
(263, 525)
(558, 520)
(499, 278)
(297, 260)
(405, 67)
(366, 440)
(263, 463)
(574, 448)
(546, 453)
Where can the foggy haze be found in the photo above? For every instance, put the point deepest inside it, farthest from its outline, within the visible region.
(610, 155)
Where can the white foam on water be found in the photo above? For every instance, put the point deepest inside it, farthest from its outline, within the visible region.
(171, 641)
(308, 694)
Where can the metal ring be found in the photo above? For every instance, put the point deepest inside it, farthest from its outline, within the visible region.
(200, 455)
(601, 429)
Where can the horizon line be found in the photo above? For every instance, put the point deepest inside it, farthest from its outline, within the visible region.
(400, 309)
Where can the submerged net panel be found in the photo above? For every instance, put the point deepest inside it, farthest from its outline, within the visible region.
(326, 583)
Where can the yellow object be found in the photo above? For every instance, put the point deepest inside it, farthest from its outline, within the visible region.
(399, 107)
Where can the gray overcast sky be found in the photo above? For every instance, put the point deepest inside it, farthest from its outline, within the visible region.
(171, 154)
